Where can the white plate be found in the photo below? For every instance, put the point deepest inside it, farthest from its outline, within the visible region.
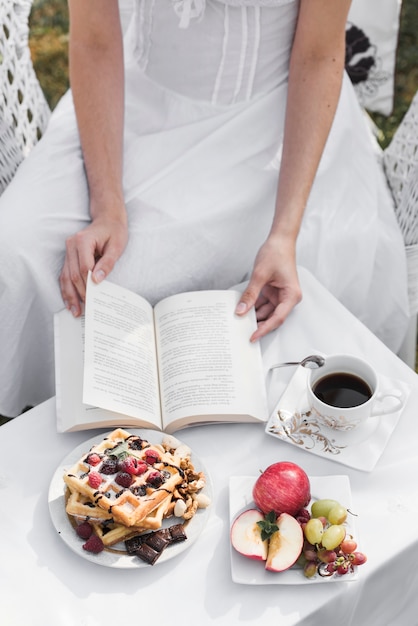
(116, 556)
(360, 448)
(250, 572)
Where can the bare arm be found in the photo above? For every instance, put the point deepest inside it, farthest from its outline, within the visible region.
(315, 77)
(97, 83)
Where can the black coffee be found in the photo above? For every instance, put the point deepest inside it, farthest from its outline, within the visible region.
(342, 390)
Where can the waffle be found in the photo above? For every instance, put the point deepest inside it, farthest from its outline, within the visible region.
(112, 533)
(127, 505)
(81, 509)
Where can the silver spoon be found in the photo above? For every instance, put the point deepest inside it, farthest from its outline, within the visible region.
(312, 362)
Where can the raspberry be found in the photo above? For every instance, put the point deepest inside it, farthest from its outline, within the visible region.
(84, 530)
(94, 544)
(94, 479)
(141, 468)
(93, 459)
(152, 456)
(132, 466)
(124, 479)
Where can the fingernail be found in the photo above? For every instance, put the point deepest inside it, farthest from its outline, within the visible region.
(74, 311)
(241, 308)
(66, 304)
(99, 275)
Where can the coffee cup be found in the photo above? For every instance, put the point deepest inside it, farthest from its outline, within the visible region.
(344, 393)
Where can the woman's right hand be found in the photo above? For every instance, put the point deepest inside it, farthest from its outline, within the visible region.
(97, 85)
(97, 248)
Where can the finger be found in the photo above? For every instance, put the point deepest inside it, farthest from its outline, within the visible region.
(264, 311)
(69, 293)
(275, 320)
(249, 296)
(261, 300)
(94, 257)
(75, 271)
(106, 263)
(264, 328)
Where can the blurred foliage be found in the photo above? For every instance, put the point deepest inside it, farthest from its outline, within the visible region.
(49, 46)
(406, 77)
(48, 42)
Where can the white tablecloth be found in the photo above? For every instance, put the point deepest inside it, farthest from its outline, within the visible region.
(44, 583)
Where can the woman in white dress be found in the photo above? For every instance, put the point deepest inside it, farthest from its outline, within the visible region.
(200, 165)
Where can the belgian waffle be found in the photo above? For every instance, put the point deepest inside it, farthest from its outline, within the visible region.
(112, 533)
(81, 509)
(127, 505)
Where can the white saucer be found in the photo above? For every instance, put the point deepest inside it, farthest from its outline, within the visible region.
(361, 448)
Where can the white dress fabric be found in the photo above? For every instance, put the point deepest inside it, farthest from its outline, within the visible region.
(206, 86)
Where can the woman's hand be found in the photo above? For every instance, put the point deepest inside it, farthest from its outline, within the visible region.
(97, 248)
(97, 85)
(273, 287)
(316, 68)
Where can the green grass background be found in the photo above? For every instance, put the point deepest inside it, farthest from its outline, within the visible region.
(49, 47)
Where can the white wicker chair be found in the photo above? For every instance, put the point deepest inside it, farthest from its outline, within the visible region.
(401, 166)
(24, 112)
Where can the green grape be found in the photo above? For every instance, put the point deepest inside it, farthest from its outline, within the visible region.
(333, 536)
(314, 531)
(337, 515)
(321, 508)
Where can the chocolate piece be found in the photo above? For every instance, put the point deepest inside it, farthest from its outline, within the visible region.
(177, 533)
(149, 546)
(158, 540)
(133, 543)
(147, 554)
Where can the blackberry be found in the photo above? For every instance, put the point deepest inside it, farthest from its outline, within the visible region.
(139, 490)
(124, 479)
(155, 479)
(135, 443)
(109, 466)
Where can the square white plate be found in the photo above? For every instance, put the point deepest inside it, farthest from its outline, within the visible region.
(292, 422)
(250, 572)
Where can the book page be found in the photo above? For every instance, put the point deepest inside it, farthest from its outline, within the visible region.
(207, 364)
(120, 369)
(72, 414)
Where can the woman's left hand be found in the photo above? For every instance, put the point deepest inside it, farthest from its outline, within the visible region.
(274, 287)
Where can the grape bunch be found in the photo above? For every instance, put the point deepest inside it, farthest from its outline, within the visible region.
(327, 549)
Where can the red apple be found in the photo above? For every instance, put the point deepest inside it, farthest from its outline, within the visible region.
(285, 544)
(246, 535)
(283, 487)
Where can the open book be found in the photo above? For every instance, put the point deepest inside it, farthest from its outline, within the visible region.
(186, 361)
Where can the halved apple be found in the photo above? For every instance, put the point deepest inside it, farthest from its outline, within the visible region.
(285, 544)
(246, 535)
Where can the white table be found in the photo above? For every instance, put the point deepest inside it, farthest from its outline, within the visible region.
(44, 583)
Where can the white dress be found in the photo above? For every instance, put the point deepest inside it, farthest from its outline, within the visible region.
(206, 87)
